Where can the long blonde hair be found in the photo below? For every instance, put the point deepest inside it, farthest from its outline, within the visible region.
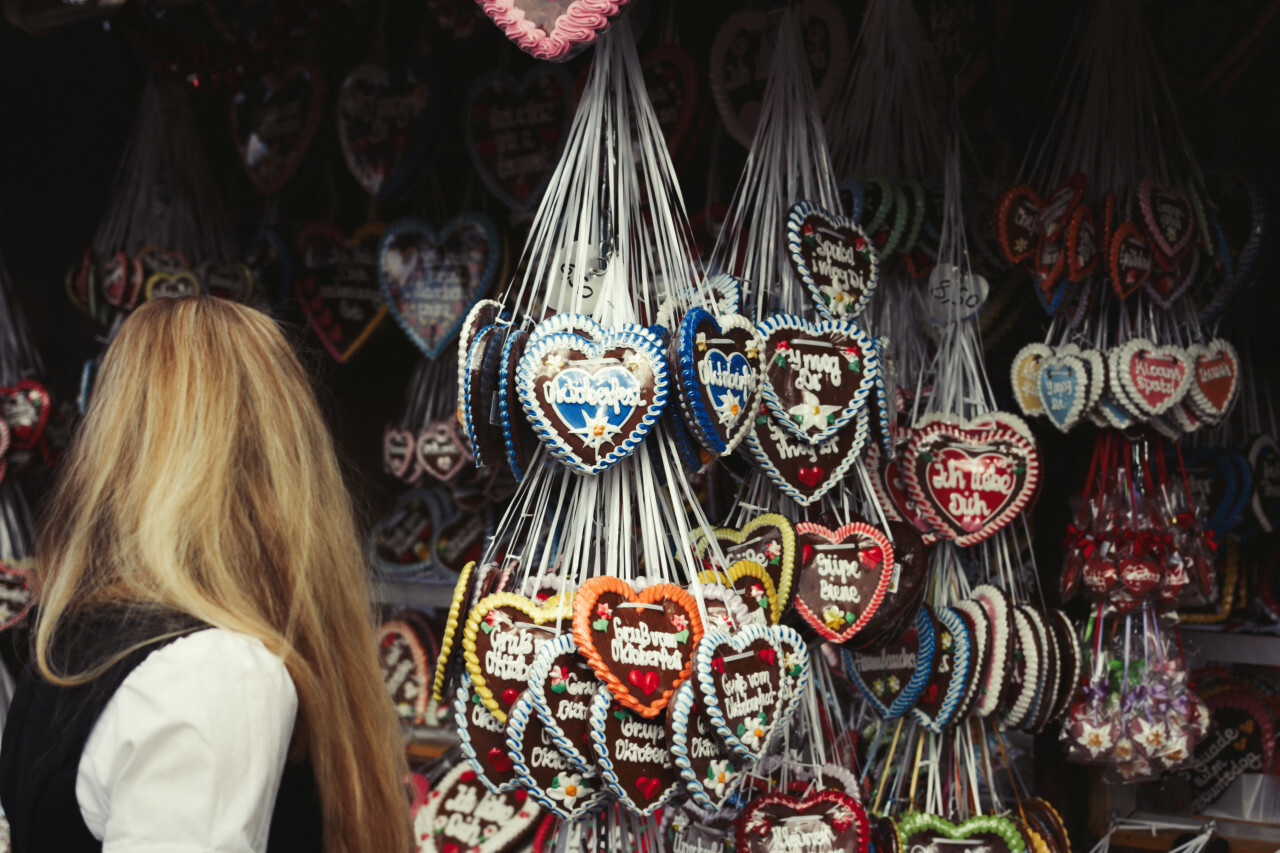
(203, 480)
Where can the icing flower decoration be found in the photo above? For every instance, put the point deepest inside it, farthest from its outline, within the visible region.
(559, 679)
(773, 550)
(679, 622)
(605, 613)
(833, 617)
(719, 773)
(493, 620)
(567, 788)
(752, 734)
(878, 686)
(757, 593)
(700, 341)
(947, 640)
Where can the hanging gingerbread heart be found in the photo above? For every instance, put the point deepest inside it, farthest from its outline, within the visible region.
(739, 64)
(891, 489)
(561, 687)
(1025, 377)
(518, 436)
(232, 281)
(25, 408)
(671, 79)
(707, 767)
(1167, 213)
(440, 452)
(817, 375)
(592, 401)
(16, 596)
(719, 377)
(385, 122)
(1129, 259)
(431, 279)
(822, 822)
(1167, 283)
(273, 120)
(1064, 390)
(338, 285)
(833, 257)
(1058, 207)
(906, 589)
(1082, 243)
(170, 285)
(639, 644)
(805, 472)
(939, 703)
(405, 669)
(501, 637)
(842, 578)
(461, 814)
(562, 789)
(767, 540)
(553, 29)
(633, 755)
(1216, 377)
(740, 679)
(483, 738)
(1017, 219)
(921, 831)
(893, 677)
(515, 129)
(1154, 378)
(971, 478)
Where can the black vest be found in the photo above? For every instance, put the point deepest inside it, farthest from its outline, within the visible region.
(47, 728)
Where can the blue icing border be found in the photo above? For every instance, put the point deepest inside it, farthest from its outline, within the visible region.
(461, 703)
(795, 221)
(539, 671)
(504, 380)
(437, 236)
(911, 692)
(629, 335)
(766, 465)
(678, 725)
(517, 725)
(690, 389)
(857, 403)
(959, 684)
(599, 712)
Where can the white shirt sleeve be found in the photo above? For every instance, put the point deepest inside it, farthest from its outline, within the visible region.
(188, 754)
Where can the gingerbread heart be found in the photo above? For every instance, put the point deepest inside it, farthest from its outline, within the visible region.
(273, 120)
(385, 122)
(431, 279)
(632, 754)
(754, 586)
(171, 285)
(805, 472)
(1167, 213)
(741, 681)
(1025, 377)
(893, 677)
(440, 452)
(639, 644)
(971, 478)
(767, 540)
(501, 637)
(707, 767)
(25, 408)
(400, 543)
(1129, 259)
(1082, 244)
(891, 489)
(559, 786)
(592, 401)
(739, 64)
(817, 376)
(16, 596)
(843, 576)
(1154, 378)
(553, 29)
(405, 669)
(1167, 284)
(461, 814)
(826, 820)
(477, 390)
(1058, 207)
(515, 129)
(1215, 377)
(1017, 219)
(939, 703)
(833, 257)
(719, 377)
(233, 281)
(919, 830)
(518, 436)
(483, 738)
(1064, 390)
(561, 687)
(338, 285)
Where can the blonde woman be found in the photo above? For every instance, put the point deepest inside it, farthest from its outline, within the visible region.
(204, 677)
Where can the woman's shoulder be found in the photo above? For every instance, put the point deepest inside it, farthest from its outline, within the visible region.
(214, 664)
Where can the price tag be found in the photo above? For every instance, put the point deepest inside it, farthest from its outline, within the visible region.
(579, 270)
(953, 295)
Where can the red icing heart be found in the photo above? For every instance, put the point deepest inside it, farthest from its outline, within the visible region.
(499, 760)
(648, 786)
(971, 479)
(451, 847)
(806, 552)
(810, 476)
(1157, 377)
(510, 695)
(1138, 576)
(519, 795)
(647, 680)
(769, 656)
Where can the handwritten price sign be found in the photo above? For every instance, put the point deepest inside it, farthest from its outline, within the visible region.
(953, 295)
